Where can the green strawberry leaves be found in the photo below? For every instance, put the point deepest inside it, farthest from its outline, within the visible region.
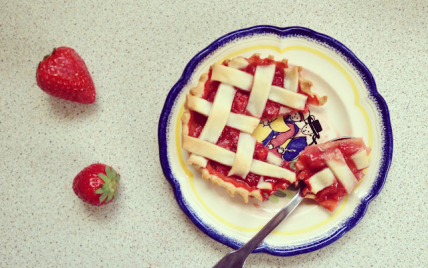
(292, 164)
(104, 178)
(111, 173)
(110, 186)
(103, 197)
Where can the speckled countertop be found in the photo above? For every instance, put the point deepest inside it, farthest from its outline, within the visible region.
(136, 51)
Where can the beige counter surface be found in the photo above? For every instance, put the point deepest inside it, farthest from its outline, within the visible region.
(136, 51)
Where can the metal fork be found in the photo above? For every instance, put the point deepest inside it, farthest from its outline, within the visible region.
(236, 259)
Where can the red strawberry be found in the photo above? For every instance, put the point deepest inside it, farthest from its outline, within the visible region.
(64, 74)
(97, 184)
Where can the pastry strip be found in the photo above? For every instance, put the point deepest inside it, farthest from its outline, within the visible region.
(260, 90)
(197, 160)
(288, 98)
(244, 155)
(226, 157)
(219, 113)
(232, 77)
(341, 171)
(321, 180)
(241, 122)
(361, 159)
(291, 79)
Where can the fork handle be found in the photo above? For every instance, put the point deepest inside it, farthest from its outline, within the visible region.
(246, 249)
(237, 258)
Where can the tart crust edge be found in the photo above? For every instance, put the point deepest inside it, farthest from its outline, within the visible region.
(198, 91)
(230, 188)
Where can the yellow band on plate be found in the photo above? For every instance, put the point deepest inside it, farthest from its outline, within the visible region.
(191, 176)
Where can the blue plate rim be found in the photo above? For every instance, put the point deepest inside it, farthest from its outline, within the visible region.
(365, 74)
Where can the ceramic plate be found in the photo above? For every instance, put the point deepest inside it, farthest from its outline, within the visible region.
(354, 108)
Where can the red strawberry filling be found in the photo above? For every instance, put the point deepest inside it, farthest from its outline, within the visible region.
(241, 98)
(229, 140)
(311, 161)
(229, 136)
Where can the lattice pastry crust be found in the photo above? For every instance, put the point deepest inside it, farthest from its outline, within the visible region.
(218, 113)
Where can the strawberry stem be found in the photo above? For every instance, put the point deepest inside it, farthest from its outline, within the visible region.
(108, 190)
(47, 56)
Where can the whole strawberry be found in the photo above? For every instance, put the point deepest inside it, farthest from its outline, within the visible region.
(97, 184)
(64, 74)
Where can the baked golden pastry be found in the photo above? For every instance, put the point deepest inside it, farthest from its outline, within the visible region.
(224, 109)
